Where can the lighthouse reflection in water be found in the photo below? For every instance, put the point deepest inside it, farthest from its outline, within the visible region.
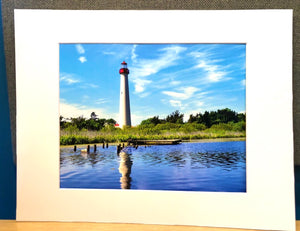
(125, 170)
(191, 166)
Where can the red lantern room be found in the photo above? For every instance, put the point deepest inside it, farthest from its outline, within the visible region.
(124, 69)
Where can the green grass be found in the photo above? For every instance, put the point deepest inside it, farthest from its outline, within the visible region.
(113, 135)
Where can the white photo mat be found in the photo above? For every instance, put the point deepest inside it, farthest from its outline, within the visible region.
(269, 200)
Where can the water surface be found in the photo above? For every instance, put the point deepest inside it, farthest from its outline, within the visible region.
(196, 166)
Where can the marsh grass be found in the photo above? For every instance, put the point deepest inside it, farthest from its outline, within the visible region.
(113, 135)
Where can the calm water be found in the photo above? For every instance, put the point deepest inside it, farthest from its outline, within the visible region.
(211, 166)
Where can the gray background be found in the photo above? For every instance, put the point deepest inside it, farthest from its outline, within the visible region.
(8, 7)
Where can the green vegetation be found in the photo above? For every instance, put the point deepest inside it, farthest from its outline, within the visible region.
(223, 123)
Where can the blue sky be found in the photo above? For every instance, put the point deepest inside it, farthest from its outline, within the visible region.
(163, 78)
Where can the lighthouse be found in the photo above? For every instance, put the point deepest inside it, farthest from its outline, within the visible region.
(124, 119)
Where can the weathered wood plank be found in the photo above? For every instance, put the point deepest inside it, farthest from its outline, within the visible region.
(154, 142)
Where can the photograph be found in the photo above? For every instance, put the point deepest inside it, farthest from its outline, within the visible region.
(153, 116)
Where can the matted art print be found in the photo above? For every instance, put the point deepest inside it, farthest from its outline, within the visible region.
(155, 117)
(172, 117)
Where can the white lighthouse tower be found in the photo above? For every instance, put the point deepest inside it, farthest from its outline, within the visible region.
(125, 118)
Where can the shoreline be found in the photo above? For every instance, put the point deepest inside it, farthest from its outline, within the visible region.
(206, 140)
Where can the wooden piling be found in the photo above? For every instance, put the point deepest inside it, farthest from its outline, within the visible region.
(103, 145)
(106, 145)
(75, 148)
(95, 147)
(119, 149)
(88, 149)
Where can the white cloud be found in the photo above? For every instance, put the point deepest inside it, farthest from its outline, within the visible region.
(197, 54)
(68, 78)
(137, 119)
(175, 94)
(101, 101)
(216, 76)
(133, 54)
(206, 66)
(185, 93)
(243, 82)
(175, 103)
(172, 49)
(80, 49)
(174, 83)
(140, 85)
(202, 94)
(88, 85)
(139, 88)
(142, 68)
(185, 99)
(188, 113)
(92, 85)
(193, 107)
(199, 104)
(75, 110)
(82, 59)
(144, 94)
(215, 73)
(108, 52)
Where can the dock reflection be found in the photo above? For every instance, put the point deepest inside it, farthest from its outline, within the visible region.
(125, 170)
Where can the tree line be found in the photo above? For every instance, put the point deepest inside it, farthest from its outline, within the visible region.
(200, 120)
(81, 123)
(207, 118)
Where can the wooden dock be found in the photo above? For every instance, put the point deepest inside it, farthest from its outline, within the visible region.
(132, 143)
(153, 142)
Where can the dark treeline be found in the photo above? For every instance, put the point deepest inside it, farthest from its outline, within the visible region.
(202, 120)
(207, 118)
